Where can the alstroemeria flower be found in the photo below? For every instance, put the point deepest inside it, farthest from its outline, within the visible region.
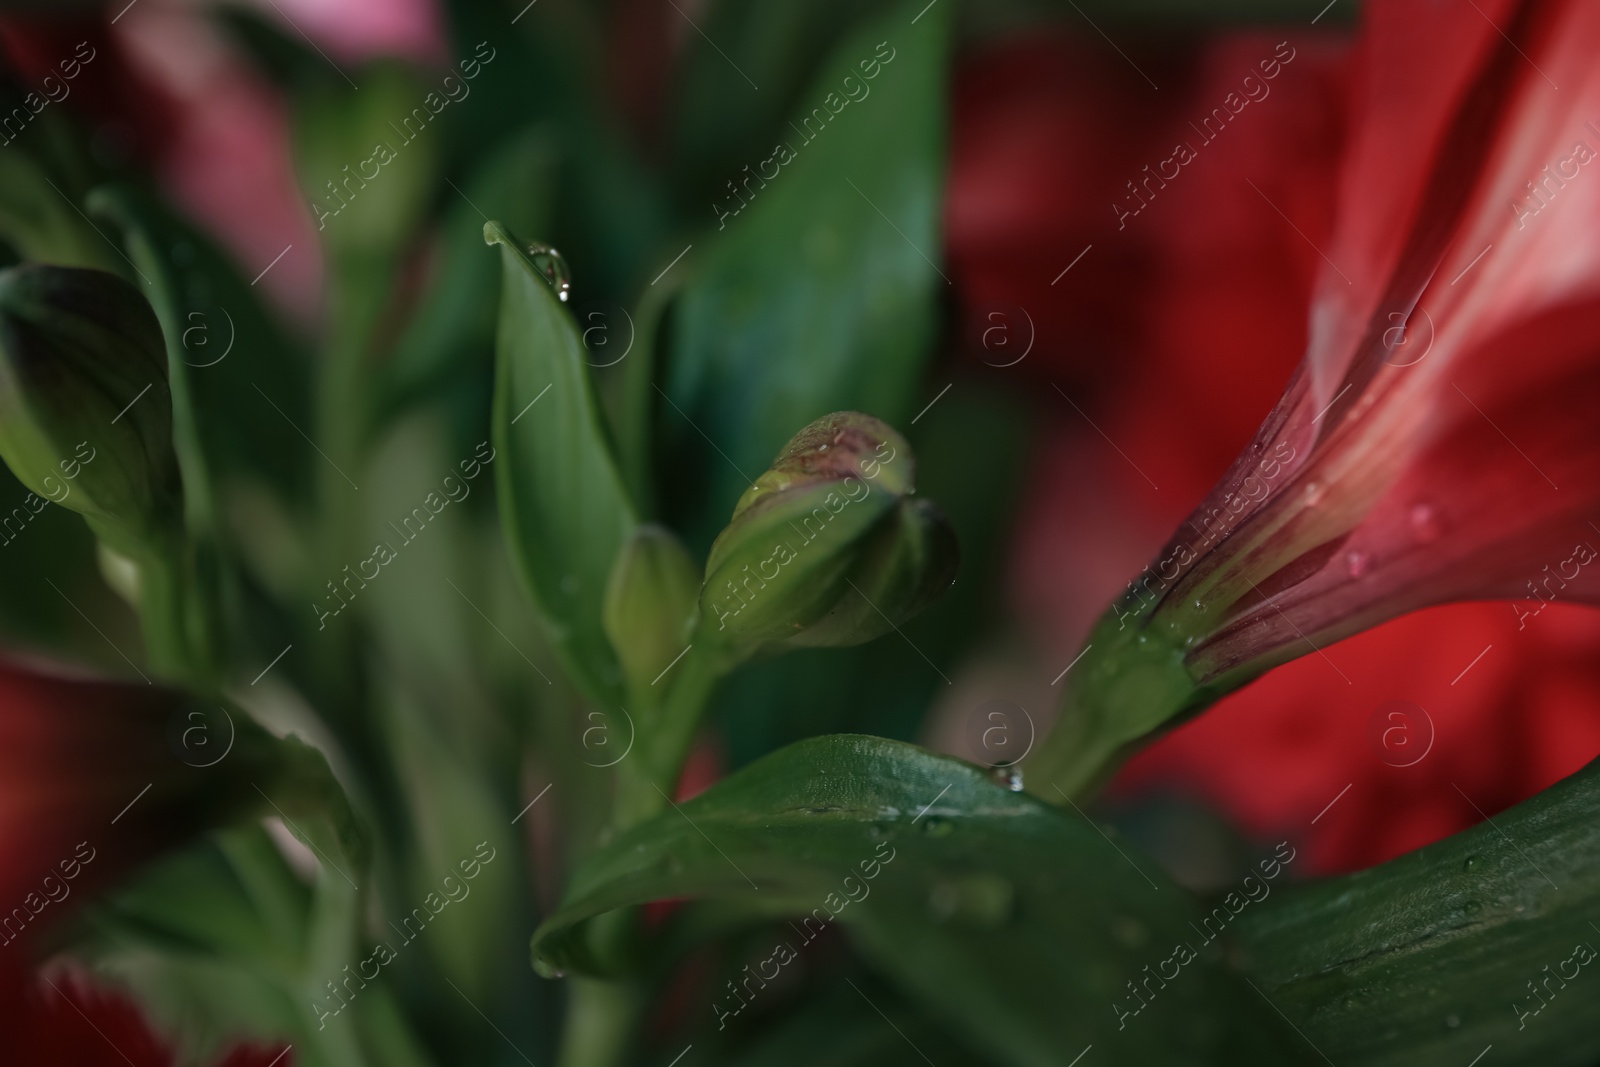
(1438, 442)
(44, 1016)
(99, 776)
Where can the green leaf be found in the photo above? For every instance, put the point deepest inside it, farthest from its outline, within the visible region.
(721, 123)
(865, 1026)
(366, 161)
(821, 294)
(1013, 921)
(562, 500)
(236, 379)
(39, 221)
(1426, 959)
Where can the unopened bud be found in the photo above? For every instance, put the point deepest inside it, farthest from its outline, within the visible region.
(85, 413)
(827, 548)
(650, 603)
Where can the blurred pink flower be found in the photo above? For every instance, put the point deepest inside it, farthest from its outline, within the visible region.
(359, 29)
(227, 154)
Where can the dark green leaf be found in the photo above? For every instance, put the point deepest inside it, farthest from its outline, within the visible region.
(39, 221)
(722, 123)
(236, 378)
(869, 1025)
(562, 499)
(1014, 921)
(820, 295)
(1427, 959)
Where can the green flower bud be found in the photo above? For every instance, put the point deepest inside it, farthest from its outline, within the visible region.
(904, 567)
(650, 604)
(85, 415)
(826, 548)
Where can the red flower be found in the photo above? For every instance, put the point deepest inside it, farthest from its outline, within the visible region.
(1450, 345)
(64, 1018)
(97, 777)
(1048, 133)
(1216, 325)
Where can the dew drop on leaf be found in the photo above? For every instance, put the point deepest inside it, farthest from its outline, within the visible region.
(548, 262)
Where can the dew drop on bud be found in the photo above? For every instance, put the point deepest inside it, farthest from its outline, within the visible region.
(1200, 606)
(1314, 494)
(1425, 523)
(1358, 563)
(548, 262)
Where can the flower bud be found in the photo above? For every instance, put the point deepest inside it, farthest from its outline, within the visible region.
(85, 414)
(826, 548)
(907, 563)
(650, 603)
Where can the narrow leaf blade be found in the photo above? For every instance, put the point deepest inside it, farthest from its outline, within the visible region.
(562, 499)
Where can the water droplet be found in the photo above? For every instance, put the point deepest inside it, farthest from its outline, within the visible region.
(1315, 491)
(1009, 777)
(1472, 862)
(1425, 523)
(548, 262)
(1200, 606)
(1358, 563)
(934, 826)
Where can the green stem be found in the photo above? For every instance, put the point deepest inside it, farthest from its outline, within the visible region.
(1077, 760)
(1130, 684)
(180, 612)
(600, 1022)
(601, 1015)
(645, 784)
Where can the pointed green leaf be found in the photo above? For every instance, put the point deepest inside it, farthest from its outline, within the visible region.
(1429, 958)
(1017, 923)
(562, 500)
(820, 295)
